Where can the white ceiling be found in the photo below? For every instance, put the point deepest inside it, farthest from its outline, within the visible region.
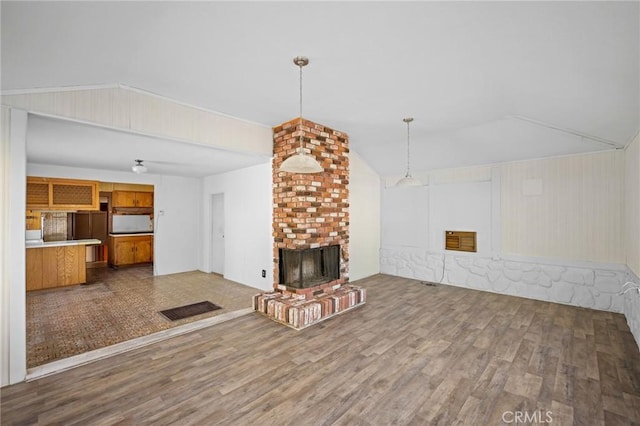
(485, 81)
(64, 143)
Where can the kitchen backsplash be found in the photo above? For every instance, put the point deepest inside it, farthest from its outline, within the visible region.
(55, 226)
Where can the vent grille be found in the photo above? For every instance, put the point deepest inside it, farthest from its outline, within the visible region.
(72, 194)
(37, 194)
(460, 241)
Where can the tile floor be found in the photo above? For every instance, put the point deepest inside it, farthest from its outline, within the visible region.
(119, 305)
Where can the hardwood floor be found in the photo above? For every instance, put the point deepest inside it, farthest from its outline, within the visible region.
(414, 354)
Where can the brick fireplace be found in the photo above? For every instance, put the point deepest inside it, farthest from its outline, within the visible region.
(310, 229)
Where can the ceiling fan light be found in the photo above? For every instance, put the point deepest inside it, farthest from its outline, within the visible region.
(301, 163)
(139, 167)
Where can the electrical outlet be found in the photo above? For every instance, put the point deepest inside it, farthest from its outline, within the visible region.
(264, 273)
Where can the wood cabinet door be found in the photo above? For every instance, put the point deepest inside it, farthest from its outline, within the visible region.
(37, 195)
(74, 195)
(123, 198)
(99, 226)
(33, 220)
(34, 269)
(82, 225)
(52, 266)
(144, 199)
(144, 250)
(124, 251)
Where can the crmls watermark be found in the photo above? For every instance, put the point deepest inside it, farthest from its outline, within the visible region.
(530, 417)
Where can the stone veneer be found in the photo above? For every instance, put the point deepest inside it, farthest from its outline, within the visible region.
(310, 211)
(596, 286)
(632, 305)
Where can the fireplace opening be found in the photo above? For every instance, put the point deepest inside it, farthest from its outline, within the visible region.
(309, 267)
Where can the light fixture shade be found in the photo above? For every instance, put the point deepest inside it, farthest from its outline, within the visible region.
(139, 167)
(300, 163)
(408, 181)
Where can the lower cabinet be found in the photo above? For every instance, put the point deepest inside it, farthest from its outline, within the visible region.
(130, 250)
(49, 267)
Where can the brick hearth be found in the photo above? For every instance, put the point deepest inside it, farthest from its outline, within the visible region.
(310, 211)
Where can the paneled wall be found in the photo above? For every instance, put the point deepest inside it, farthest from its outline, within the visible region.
(134, 110)
(632, 205)
(565, 207)
(549, 229)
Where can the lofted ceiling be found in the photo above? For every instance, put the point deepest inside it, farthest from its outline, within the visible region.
(485, 81)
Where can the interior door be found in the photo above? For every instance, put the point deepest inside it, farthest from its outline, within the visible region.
(217, 233)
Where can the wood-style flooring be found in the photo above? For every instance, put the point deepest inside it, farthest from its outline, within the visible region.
(414, 354)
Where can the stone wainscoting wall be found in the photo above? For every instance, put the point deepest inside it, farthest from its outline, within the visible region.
(575, 283)
(632, 305)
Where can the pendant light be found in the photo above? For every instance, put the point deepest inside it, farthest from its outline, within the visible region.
(301, 162)
(407, 180)
(139, 167)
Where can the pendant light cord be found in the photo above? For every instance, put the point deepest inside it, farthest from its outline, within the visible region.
(408, 120)
(301, 145)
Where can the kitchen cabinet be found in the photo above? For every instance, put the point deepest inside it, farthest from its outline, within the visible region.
(90, 225)
(61, 194)
(129, 250)
(132, 199)
(33, 220)
(49, 267)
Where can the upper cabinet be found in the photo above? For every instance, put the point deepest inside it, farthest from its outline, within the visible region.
(61, 194)
(132, 199)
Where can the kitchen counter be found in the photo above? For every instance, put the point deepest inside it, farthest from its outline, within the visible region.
(56, 263)
(135, 234)
(41, 244)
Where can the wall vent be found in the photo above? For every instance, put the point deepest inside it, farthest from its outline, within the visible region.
(460, 241)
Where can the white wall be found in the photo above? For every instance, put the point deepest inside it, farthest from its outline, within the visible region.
(632, 205)
(176, 240)
(5, 242)
(559, 222)
(632, 234)
(13, 348)
(177, 237)
(576, 211)
(404, 216)
(460, 207)
(364, 219)
(248, 224)
(417, 217)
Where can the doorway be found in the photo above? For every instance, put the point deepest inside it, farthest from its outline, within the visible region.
(217, 234)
